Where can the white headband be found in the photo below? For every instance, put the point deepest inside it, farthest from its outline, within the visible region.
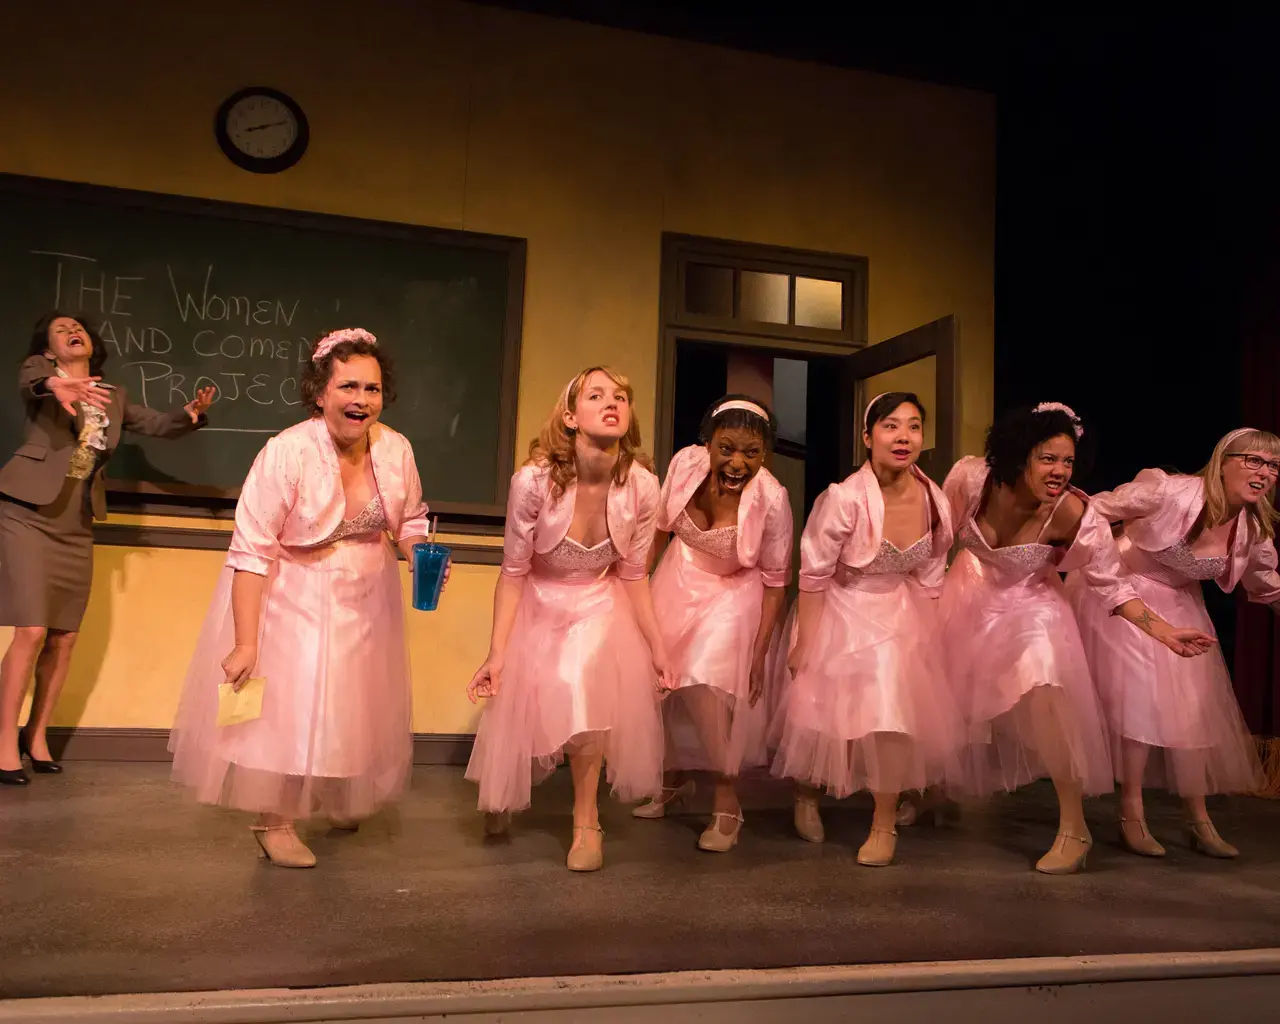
(739, 403)
(1067, 410)
(866, 413)
(1238, 432)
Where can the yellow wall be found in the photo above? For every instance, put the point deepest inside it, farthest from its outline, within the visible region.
(586, 141)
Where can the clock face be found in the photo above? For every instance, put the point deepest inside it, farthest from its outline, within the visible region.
(262, 130)
(262, 127)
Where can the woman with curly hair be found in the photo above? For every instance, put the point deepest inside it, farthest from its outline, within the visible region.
(1218, 524)
(310, 601)
(1013, 649)
(575, 656)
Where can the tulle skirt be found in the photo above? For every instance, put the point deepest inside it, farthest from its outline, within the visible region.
(578, 676)
(334, 738)
(709, 624)
(871, 708)
(1182, 708)
(1022, 681)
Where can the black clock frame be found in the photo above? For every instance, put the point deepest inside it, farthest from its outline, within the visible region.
(254, 164)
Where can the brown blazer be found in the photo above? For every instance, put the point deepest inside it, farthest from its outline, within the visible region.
(38, 468)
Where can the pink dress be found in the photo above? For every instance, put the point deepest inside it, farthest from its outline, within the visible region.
(334, 738)
(578, 671)
(1184, 707)
(1008, 630)
(707, 595)
(871, 708)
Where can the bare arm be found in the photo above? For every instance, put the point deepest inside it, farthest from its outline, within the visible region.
(246, 613)
(808, 613)
(642, 604)
(506, 601)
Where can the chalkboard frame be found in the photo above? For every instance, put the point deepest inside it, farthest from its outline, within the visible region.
(191, 500)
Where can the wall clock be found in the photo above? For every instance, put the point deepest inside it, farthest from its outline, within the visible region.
(261, 130)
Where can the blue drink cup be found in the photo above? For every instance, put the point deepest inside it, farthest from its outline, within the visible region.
(429, 562)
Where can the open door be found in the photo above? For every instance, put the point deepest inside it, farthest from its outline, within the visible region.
(922, 360)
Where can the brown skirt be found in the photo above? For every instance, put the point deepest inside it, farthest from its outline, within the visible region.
(46, 559)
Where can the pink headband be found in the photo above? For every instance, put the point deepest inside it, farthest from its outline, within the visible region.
(325, 345)
(1067, 410)
(739, 403)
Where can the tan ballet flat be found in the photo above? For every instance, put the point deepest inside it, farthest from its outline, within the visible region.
(1136, 838)
(908, 814)
(808, 820)
(496, 823)
(586, 854)
(1068, 855)
(282, 847)
(656, 807)
(1205, 839)
(713, 840)
(878, 850)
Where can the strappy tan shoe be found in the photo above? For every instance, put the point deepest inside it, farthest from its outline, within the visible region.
(587, 851)
(713, 840)
(1138, 839)
(1205, 839)
(1066, 856)
(878, 850)
(656, 807)
(282, 847)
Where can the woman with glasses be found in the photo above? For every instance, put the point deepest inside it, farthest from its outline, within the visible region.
(1177, 531)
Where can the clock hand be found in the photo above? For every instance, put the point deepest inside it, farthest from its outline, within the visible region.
(259, 127)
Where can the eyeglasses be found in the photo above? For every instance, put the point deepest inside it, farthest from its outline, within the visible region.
(1256, 462)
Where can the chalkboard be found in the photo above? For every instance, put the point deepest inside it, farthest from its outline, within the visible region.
(188, 293)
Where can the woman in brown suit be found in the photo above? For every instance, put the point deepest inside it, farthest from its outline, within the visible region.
(50, 491)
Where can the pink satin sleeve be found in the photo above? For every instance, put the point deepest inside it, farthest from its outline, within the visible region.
(1140, 497)
(962, 486)
(775, 545)
(634, 564)
(1096, 555)
(266, 499)
(524, 502)
(825, 533)
(415, 522)
(1260, 579)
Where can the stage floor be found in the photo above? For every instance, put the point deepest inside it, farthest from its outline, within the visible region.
(114, 883)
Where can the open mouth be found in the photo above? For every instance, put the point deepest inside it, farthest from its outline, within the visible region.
(901, 454)
(731, 481)
(356, 417)
(1257, 486)
(75, 343)
(610, 419)
(1054, 487)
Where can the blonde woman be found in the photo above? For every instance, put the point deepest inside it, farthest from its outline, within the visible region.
(1179, 530)
(575, 656)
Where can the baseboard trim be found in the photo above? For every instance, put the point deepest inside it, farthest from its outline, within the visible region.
(102, 744)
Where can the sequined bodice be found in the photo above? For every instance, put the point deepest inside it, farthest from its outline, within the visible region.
(1181, 559)
(892, 559)
(371, 519)
(1014, 560)
(721, 542)
(570, 560)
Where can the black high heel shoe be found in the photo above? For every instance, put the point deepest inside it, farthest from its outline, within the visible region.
(13, 777)
(37, 766)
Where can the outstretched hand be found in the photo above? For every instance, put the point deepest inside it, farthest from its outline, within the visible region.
(87, 390)
(199, 405)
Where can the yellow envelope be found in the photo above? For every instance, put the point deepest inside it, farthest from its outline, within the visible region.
(245, 706)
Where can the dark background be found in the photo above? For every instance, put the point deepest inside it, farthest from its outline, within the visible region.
(1136, 205)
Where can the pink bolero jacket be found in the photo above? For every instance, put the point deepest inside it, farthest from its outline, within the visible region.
(765, 533)
(1093, 552)
(1159, 510)
(293, 496)
(536, 523)
(847, 526)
